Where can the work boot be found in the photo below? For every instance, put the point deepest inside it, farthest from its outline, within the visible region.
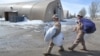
(71, 49)
(84, 49)
(47, 54)
(61, 49)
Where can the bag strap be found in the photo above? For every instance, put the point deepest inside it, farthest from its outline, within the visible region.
(57, 32)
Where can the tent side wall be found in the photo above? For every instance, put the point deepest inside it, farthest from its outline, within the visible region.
(38, 10)
(42, 10)
(31, 9)
(2, 9)
(23, 9)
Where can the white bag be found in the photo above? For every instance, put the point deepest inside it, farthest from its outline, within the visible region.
(50, 32)
(58, 40)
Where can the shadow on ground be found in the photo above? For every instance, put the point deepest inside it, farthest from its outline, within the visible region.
(78, 53)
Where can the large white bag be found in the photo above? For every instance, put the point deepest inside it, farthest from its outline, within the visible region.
(58, 40)
(49, 33)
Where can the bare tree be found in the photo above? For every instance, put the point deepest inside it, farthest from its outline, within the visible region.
(98, 11)
(93, 9)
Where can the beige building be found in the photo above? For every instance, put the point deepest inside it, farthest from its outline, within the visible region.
(34, 10)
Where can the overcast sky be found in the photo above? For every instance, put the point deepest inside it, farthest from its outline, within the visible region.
(72, 5)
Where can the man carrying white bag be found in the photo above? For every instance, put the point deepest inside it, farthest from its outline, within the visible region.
(54, 36)
(58, 40)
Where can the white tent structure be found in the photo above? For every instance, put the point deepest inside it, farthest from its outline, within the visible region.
(35, 10)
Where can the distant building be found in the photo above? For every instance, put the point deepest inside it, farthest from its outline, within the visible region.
(65, 13)
(36, 10)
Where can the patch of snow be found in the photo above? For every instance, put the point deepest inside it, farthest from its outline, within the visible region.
(25, 24)
(66, 27)
(2, 19)
(38, 24)
(32, 22)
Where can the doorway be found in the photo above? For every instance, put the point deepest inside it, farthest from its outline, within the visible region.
(6, 16)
